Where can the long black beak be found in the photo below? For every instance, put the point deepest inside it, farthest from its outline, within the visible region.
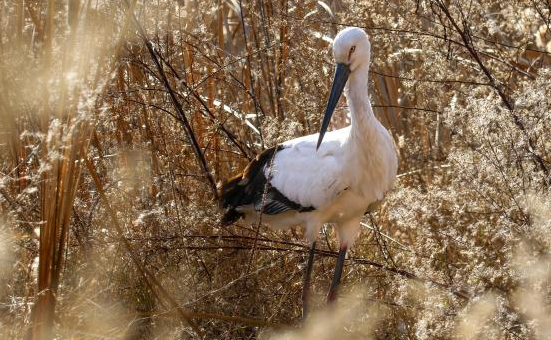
(341, 76)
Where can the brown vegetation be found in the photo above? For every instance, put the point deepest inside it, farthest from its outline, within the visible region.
(119, 117)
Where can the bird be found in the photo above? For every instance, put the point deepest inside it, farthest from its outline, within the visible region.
(328, 177)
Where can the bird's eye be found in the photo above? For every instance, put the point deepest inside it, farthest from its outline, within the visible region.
(352, 49)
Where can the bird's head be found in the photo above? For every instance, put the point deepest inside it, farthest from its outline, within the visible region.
(352, 50)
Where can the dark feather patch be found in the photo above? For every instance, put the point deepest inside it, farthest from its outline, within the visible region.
(248, 188)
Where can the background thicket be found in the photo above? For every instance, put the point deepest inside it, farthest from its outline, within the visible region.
(119, 117)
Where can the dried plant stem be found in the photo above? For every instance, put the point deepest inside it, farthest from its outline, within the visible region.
(58, 193)
(151, 282)
(177, 105)
(248, 76)
(232, 319)
(468, 44)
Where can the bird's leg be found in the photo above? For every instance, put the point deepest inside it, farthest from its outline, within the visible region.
(332, 295)
(306, 286)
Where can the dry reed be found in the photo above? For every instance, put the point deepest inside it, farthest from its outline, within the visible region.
(118, 118)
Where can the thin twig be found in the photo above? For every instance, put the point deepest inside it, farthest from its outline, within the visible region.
(149, 279)
(177, 105)
(468, 43)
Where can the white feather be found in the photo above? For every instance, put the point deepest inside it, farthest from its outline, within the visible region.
(307, 177)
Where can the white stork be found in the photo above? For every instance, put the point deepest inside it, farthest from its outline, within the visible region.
(332, 177)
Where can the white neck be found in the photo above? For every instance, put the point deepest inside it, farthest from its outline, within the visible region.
(369, 149)
(361, 113)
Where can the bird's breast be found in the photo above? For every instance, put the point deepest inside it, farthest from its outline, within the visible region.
(372, 165)
(346, 206)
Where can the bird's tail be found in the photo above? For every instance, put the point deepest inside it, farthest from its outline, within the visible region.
(230, 193)
(246, 188)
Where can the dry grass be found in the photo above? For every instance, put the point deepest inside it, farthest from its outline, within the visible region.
(118, 118)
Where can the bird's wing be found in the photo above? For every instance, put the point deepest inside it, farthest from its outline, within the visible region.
(250, 189)
(310, 177)
(301, 178)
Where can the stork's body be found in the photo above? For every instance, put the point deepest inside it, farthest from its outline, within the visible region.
(340, 180)
(309, 182)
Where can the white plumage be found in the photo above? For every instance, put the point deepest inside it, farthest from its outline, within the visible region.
(351, 170)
